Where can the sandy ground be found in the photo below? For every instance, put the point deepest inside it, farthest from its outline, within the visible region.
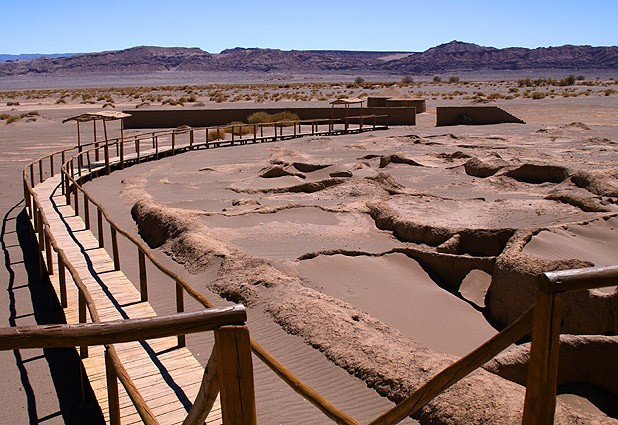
(343, 241)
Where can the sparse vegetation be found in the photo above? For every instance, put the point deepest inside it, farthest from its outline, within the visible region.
(239, 128)
(437, 79)
(8, 118)
(407, 80)
(265, 118)
(359, 80)
(216, 134)
(453, 79)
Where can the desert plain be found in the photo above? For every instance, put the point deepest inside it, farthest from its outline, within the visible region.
(368, 262)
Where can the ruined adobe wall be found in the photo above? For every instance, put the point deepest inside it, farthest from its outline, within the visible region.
(474, 115)
(172, 118)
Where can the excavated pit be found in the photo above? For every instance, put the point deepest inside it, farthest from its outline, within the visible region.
(395, 261)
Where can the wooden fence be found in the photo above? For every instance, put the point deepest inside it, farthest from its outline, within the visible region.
(543, 318)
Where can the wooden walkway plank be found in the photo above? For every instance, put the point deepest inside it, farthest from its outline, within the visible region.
(146, 362)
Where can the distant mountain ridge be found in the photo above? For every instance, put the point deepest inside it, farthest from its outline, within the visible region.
(30, 56)
(448, 57)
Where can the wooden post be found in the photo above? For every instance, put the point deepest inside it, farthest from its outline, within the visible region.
(180, 307)
(41, 241)
(96, 143)
(100, 227)
(40, 230)
(236, 373)
(41, 170)
(89, 163)
(115, 252)
(86, 212)
(137, 148)
(156, 146)
(107, 166)
(62, 282)
(122, 154)
(173, 143)
(112, 390)
(105, 130)
(67, 192)
(28, 200)
(191, 139)
(143, 278)
(79, 138)
(62, 178)
(122, 142)
(83, 350)
(48, 253)
(51, 165)
(76, 197)
(254, 133)
(540, 403)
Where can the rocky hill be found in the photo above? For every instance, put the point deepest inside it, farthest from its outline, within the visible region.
(453, 56)
(458, 56)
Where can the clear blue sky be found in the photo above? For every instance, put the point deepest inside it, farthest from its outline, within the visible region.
(56, 26)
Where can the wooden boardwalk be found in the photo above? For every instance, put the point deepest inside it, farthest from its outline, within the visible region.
(167, 377)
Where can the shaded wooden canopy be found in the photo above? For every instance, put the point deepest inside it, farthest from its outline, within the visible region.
(347, 101)
(102, 115)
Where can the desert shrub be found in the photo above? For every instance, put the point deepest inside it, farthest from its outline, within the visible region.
(216, 134)
(437, 78)
(12, 103)
(453, 79)
(264, 117)
(239, 128)
(359, 80)
(12, 118)
(569, 80)
(609, 92)
(407, 80)
(538, 95)
(61, 100)
(580, 78)
(495, 95)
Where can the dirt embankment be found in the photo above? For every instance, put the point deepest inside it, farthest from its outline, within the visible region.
(367, 348)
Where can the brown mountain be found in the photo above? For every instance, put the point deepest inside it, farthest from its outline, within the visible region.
(459, 56)
(453, 56)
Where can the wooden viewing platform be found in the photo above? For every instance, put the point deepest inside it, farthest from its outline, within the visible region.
(116, 298)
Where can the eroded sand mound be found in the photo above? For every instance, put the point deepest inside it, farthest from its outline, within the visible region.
(469, 226)
(388, 361)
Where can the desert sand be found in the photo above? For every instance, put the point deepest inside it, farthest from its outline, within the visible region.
(369, 262)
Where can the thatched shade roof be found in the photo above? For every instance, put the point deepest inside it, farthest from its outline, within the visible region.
(103, 115)
(347, 101)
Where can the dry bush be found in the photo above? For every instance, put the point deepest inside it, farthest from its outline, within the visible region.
(239, 128)
(216, 134)
(265, 118)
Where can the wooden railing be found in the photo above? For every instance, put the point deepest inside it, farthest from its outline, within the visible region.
(543, 319)
(231, 347)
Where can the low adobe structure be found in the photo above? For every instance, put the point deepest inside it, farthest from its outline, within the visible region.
(396, 98)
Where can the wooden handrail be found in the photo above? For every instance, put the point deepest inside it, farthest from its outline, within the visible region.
(580, 279)
(117, 331)
(300, 387)
(458, 370)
